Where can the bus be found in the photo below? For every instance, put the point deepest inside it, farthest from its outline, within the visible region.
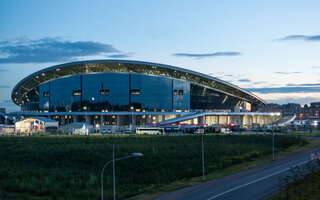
(150, 130)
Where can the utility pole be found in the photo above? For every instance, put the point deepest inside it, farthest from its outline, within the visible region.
(114, 175)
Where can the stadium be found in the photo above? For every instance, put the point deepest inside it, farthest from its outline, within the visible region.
(122, 93)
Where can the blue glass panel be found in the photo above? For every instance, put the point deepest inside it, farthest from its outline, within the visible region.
(181, 101)
(116, 85)
(155, 92)
(44, 100)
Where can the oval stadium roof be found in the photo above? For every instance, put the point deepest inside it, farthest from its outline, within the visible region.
(20, 91)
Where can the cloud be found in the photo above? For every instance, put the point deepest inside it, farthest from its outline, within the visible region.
(3, 70)
(309, 38)
(267, 90)
(217, 54)
(284, 98)
(230, 75)
(259, 82)
(244, 80)
(50, 50)
(122, 55)
(304, 84)
(7, 101)
(282, 72)
(4, 86)
(288, 72)
(315, 67)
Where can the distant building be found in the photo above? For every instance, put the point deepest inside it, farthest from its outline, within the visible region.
(302, 112)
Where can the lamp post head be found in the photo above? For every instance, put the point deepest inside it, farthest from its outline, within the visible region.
(137, 154)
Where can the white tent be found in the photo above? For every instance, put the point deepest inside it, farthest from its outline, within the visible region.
(35, 125)
(79, 128)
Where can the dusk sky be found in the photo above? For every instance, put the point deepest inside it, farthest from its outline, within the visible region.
(268, 47)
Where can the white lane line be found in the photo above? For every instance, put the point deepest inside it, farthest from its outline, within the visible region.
(253, 181)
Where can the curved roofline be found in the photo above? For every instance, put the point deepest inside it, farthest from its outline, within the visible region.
(33, 75)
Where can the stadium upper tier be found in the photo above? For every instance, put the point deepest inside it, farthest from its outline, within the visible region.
(29, 86)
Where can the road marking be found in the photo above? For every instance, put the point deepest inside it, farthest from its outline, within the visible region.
(253, 181)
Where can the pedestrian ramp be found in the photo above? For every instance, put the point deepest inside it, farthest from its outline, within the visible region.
(284, 119)
(182, 118)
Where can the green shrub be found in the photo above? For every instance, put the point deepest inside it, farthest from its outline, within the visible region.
(70, 167)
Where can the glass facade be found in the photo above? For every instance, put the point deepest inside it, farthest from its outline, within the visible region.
(114, 92)
(206, 98)
(126, 87)
(19, 93)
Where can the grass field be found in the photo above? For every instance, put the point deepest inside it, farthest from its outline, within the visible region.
(69, 167)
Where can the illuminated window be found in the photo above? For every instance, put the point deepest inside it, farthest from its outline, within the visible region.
(104, 92)
(76, 93)
(135, 92)
(45, 94)
(175, 92)
(180, 92)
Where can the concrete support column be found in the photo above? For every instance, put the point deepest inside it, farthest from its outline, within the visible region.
(118, 120)
(163, 117)
(63, 120)
(101, 120)
(133, 121)
(264, 119)
(88, 119)
(227, 120)
(195, 121)
(241, 120)
(201, 120)
(148, 119)
(218, 119)
(74, 118)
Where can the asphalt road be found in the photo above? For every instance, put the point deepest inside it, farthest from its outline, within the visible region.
(257, 183)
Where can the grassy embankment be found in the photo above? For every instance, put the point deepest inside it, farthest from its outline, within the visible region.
(70, 167)
(263, 159)
(296, 186)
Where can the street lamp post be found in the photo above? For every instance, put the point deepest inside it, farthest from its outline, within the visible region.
(202, 146)
(85, 108)
(131, 124)
(272, 143)
(114, 176)
(97, 127)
